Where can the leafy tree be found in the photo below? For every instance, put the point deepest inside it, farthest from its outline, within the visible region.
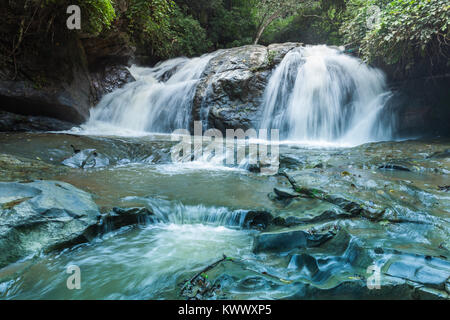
(267, 11)
(227, 22)
(149, 24)
(407, 31)
(101, 14)
(189, 38)
(317, 23)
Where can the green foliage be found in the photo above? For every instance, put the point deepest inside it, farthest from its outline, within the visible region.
(268, 11)
(317, 23)
(149, 23)
(232, 28)
(162, 28)
(407, 31)
(189, 38)
(101, 14)
(228, 23)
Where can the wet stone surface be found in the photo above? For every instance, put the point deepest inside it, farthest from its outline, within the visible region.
(157, 224)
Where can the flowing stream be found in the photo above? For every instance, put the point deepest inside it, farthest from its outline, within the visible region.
(315, 95)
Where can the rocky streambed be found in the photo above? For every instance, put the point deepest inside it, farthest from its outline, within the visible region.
(141, 227)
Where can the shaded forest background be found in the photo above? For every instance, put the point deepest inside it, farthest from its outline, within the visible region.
(411, 35)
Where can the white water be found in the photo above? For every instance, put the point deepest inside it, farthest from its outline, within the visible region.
(317, 96)
(160, 100)
(174, 212)
(145, 263)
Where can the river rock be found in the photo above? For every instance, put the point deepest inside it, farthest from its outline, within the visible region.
(10, 122)
(122, 217)
(42, 215)
(440, 155)
(257, 220)
(391, 166)
(283, 193)
(286, 241)
(87, 158)
(325, 216)
(350, 258)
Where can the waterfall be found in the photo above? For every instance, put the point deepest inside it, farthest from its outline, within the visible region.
(318, 93)
(160, 100)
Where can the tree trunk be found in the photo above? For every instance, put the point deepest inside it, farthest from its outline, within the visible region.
(264, 25)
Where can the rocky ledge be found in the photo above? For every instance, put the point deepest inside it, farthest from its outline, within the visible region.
(42, 216)
(65, 82)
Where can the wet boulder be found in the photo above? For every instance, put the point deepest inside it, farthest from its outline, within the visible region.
(440, 155)
(290, 162)
(287, 241)
(42, 215)
(325, 216)
(10, 122)
(232, 86)
(283, 193)
(122, 217)
(257, 220)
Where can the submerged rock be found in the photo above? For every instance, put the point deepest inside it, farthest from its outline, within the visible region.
(323, 217)
(343, 257)
(88, 158)
(42, 215)
(14, 168)
(429, 271)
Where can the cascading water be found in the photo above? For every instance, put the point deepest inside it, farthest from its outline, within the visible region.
(160, 100)
(319, 94)
(316, 94)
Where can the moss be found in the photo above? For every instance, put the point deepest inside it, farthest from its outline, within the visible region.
(271, 58)
(40, 81)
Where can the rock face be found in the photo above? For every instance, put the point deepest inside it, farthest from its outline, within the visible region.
(42, 215)
(421, 105)
(234, 81)
(109, 78)
(65, 82)
(11, 122)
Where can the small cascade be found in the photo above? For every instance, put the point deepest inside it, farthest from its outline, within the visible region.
(174, 212)
(160, 100)
(317, 93)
